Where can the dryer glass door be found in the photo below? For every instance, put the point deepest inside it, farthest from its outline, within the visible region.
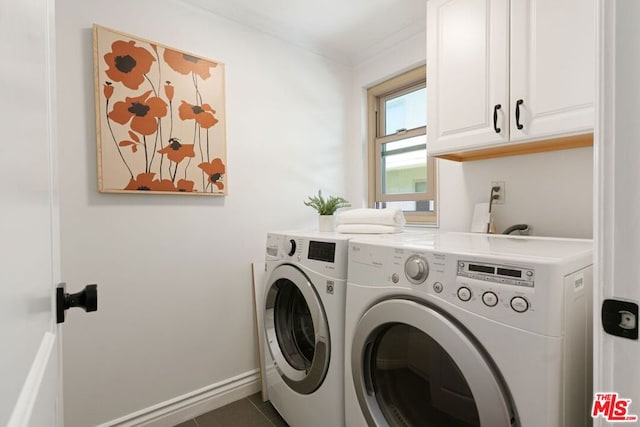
(413, 366)
(296, 329)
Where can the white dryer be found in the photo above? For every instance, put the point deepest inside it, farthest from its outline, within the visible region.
(304, 326)
(460, 329)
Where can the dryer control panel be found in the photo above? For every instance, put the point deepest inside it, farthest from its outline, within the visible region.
(496, 273)
(527, 292)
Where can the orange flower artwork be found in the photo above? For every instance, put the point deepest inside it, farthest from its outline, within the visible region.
(187, 64)
(142, 111)
(143, 182)
(128, 63)
(147, 182)
(176, 152)
(203, 115)
(214, 172)
(108, 90)
(185, 186)
(160, 116)
(169, 91)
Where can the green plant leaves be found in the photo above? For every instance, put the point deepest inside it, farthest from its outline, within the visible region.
(326, 206)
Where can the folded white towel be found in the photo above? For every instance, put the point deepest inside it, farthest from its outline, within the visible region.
(387, 216)
(367, 229)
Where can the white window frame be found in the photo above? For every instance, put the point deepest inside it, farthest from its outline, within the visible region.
(404, 83)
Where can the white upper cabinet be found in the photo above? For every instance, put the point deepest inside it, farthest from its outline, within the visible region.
(501, 73)
(467, 73)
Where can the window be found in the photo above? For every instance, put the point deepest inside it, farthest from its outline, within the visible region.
(400, 173)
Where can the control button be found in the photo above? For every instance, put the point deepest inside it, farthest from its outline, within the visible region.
(529, 273)
(272, 250)
(292, 248)
(489, 299)
(395, 278)
(416, 269)
(461, 264)
(524, 283)
(519, 304)
(464, 294)
(438, 287)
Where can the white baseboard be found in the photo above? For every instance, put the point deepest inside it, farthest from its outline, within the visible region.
(192, 404)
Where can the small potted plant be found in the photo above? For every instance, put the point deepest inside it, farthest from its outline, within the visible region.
(326, 208)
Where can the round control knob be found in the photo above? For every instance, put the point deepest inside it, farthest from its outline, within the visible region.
(519, 304)
(395, 278)
(438, 287)
(489, 299)
(292, 247)
(416, 269)
(464, 293)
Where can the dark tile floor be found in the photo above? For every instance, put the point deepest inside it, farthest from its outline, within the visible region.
(248, 412)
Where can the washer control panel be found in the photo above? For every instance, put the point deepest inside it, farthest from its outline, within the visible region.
(317, 252)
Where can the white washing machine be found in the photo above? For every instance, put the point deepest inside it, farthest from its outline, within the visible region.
(304, 326)
(461, 329)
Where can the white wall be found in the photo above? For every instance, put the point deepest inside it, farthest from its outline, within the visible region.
(175, 304)
(552, 192)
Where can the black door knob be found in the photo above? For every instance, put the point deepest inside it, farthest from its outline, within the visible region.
(86, 299)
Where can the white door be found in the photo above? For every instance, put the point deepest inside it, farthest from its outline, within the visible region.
(552, 68)
(467, 74)
(617, 182)
(29, 359)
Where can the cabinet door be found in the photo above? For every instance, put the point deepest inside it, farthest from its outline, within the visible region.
(467, 74)
(552, 67)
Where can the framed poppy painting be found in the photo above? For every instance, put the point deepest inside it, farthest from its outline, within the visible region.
(160, 118)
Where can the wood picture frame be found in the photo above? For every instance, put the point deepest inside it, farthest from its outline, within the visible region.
(160, 118)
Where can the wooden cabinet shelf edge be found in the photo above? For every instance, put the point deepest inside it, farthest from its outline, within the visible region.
(530, 147)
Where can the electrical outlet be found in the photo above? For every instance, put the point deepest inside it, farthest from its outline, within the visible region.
(500, 193)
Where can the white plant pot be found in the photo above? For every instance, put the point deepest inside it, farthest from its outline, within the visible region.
(326, 223)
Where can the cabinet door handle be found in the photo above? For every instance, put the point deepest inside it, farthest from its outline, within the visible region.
(519, 102)
(495, 117)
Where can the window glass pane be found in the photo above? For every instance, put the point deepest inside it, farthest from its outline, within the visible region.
(404, 166)
(410, 205)
(408, 111)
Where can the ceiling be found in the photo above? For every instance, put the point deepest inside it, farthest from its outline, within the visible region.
(348, 31)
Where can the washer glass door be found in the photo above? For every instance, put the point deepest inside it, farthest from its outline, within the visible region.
(413, 366)
(297, 331)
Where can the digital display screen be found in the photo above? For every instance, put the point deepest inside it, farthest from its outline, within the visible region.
(509, 272)
(482, 268)
(322, 251)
